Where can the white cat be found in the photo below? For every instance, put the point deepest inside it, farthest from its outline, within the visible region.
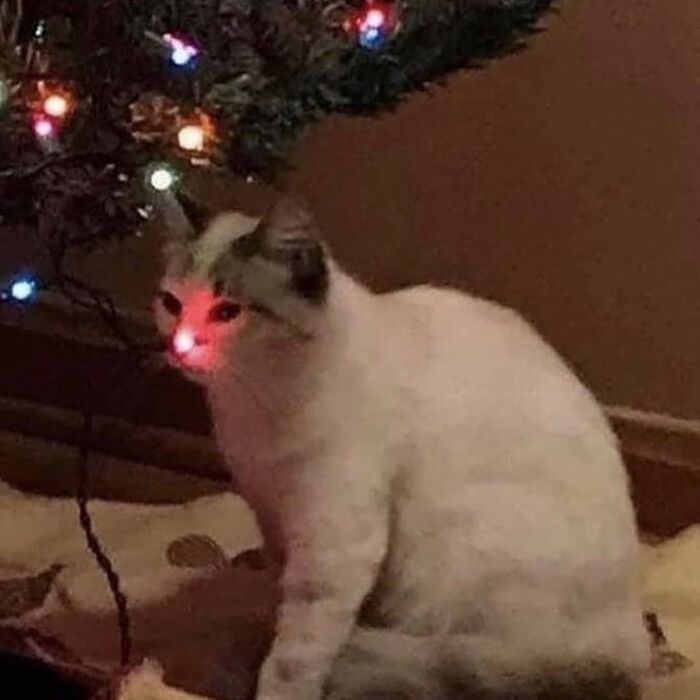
(446, 500)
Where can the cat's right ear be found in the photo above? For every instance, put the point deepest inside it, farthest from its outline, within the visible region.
(180, 220)
(179, 215)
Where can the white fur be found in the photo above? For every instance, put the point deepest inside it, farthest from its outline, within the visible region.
(429, 448)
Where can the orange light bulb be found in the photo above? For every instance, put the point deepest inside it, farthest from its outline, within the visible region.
(56, 106)
(191, 138)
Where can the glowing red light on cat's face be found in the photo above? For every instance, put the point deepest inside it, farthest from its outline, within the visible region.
(199, 328)
(184, 342)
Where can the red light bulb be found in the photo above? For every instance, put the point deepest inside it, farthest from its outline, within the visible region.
(375, 18)
(184, 342)
(43, 127)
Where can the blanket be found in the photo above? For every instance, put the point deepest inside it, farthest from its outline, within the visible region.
(202, 599)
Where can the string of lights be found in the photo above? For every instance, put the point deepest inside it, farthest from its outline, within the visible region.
(96, 301)
(52, 105)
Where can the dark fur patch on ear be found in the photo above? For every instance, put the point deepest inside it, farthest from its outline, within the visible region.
(197, 214)
(249, 245)
(304, 258)
(219, 287)
(290, 218)
(288, 235)
(310, 276)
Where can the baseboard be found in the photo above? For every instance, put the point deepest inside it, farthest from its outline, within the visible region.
(662, 454)
(657, 436)
(53, 315)
(40, 445)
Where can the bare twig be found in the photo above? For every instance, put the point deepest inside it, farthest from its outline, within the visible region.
(10, 21)
(72, 158)
(19, 12)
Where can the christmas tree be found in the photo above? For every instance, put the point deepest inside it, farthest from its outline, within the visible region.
(103, 99)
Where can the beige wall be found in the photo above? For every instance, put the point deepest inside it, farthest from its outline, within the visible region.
(563, 181)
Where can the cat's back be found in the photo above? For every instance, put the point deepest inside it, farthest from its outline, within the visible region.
(480, 368)
(445, 318)
(461, 333)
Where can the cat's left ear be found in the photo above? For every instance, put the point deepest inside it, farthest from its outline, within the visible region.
(290, 218)
(288, 235)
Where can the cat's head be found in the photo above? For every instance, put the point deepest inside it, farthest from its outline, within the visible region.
(234, 284)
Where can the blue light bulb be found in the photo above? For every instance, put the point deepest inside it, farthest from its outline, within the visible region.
(182, 52)
(182, 55)
(372, 38)
(23, 289)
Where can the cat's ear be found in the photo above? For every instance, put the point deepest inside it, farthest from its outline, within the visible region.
(197, 214)
(182, 218)
(287, 223)
(289, 235)
(290, 218)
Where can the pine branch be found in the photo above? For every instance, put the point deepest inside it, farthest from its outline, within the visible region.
(268, 70)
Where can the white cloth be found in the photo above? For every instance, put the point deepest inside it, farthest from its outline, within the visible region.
(187, 618)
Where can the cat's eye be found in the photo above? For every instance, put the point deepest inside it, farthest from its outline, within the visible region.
(171, 303)
(224, 312)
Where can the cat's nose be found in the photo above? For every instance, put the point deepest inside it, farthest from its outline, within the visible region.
(184, 341)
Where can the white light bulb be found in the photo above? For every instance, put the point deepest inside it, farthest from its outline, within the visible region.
(162, 179)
